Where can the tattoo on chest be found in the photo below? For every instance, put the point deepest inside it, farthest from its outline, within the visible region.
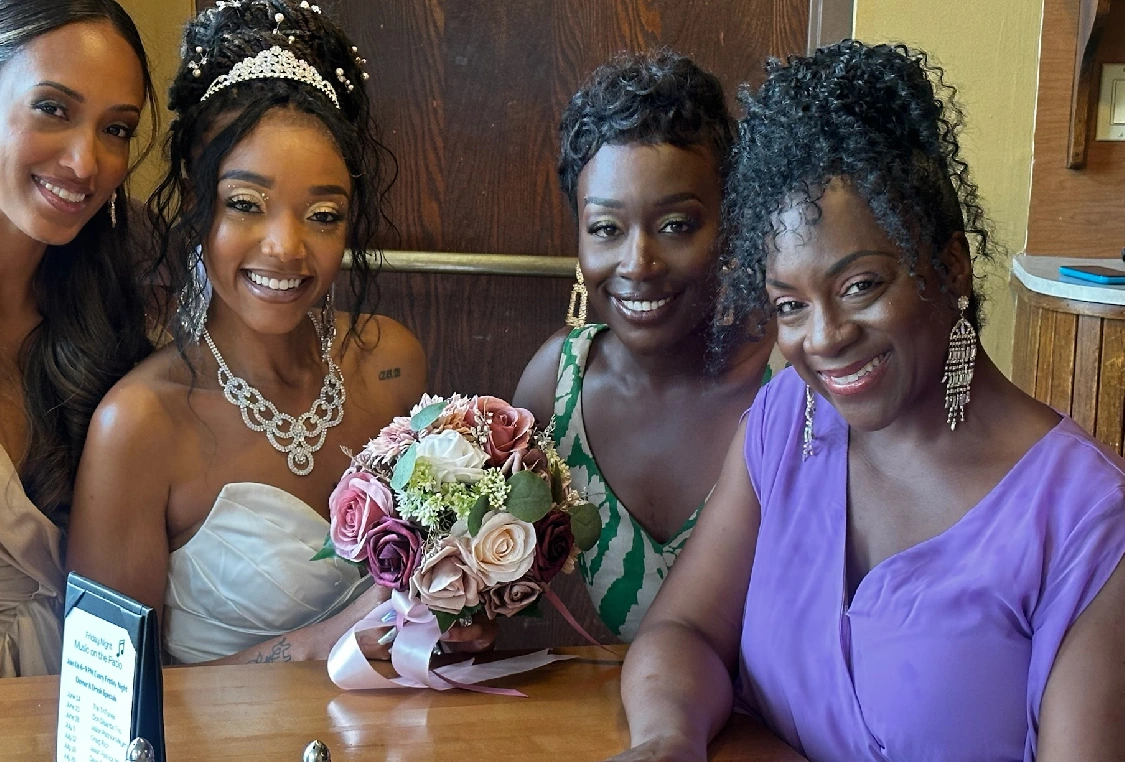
(389, 373)
(279, 652)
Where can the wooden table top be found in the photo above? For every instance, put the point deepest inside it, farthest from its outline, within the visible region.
(260, 712)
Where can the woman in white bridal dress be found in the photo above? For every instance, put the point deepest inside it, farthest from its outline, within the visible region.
(73, 85)
(204, 486)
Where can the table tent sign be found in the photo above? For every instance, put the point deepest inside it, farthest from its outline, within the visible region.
(110, 686)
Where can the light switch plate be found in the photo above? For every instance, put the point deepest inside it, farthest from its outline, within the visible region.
(1111, 103)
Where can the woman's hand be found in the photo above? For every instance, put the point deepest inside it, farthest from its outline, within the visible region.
(668, 749)
(473, 638)
(368, 640)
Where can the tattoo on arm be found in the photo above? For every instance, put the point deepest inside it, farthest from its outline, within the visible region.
(389, 373)
(279, 652)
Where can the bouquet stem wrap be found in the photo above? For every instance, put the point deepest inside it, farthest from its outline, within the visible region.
(418, 633)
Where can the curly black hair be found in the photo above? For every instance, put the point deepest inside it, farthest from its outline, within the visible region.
(880, 118)
(651, 98)
(182, 207)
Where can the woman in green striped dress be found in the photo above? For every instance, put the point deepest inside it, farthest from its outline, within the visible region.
(643, 411)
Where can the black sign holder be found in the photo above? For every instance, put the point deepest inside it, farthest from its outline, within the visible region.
(139, 621)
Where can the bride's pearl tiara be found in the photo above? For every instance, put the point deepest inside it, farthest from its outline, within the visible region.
(274, 63)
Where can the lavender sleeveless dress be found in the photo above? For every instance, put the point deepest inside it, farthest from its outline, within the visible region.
(945, 649)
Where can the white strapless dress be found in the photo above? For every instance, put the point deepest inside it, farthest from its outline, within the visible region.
(245, 577)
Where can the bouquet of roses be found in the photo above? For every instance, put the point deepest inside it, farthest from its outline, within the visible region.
(462, 507)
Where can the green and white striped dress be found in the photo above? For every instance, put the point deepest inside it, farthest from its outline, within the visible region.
(623, 572)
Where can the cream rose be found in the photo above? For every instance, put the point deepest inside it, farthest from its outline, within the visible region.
(453, 458)
(503, 549)
(445, 581)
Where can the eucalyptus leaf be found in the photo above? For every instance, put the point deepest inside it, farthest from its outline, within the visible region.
(404, 469)
(445, 620)
(586, 525)
(426, 416)
(529, 497)
(476, 515)
(328, 551)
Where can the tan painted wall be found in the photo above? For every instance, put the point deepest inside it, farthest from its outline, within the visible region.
(160, 23)
(990, 51)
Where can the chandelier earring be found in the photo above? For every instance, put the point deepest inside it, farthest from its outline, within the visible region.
(960, 359)
(576, 312)
(326, 324)
(195, 298)
(810, 411)
(113, 209)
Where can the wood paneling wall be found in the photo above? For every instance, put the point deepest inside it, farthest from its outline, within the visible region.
(1071, 355)
(1074, 212)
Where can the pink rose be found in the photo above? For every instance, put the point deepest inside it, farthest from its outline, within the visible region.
(511, 598)
(554, 541)
(509, 428)
(356, 505)
(393, 548)
(446, 581)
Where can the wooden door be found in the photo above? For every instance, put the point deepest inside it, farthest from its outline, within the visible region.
(468, 95)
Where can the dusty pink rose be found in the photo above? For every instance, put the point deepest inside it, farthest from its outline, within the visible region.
(446, 580)
(509, 428)
(511, 598)
(393, 551)
(356, 505)
(554, 541)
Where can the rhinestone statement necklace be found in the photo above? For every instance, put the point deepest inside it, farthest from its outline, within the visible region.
(298, 437)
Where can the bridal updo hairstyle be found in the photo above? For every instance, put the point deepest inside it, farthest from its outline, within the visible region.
(647, 98)
(182, 208)
(881, 119)
(92, 330)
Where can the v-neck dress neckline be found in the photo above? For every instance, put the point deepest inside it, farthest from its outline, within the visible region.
(946, 647)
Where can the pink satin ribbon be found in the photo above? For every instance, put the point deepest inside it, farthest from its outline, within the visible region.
(418, 633)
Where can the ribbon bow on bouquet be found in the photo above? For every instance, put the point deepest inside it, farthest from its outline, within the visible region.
(418, 633)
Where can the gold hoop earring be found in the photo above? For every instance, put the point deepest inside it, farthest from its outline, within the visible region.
(959, 361)
(576, 312)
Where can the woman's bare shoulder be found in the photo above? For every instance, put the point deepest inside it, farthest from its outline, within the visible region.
(385, 358)
(147, 405)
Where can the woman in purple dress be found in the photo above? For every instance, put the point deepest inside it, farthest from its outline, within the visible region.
(888, 568)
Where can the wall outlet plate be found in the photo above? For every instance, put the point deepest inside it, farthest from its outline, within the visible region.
(1111, 103)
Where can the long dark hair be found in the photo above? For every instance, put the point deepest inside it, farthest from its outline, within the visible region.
(92, 330)
(182, 207)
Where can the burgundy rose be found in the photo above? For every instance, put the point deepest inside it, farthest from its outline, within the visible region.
(393, 549)
(509, 428)
(553, 542)
(511, 598)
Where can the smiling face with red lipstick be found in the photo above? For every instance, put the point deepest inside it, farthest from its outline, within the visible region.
(855, 324)
(648, 222)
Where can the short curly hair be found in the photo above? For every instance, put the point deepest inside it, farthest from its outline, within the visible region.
(882, 119)
(651, 98)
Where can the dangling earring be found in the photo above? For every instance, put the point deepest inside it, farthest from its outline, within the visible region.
(326, 324)
(195, 298)
(959, 362)
(113, 209)
(810, 410)
(576, 313)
